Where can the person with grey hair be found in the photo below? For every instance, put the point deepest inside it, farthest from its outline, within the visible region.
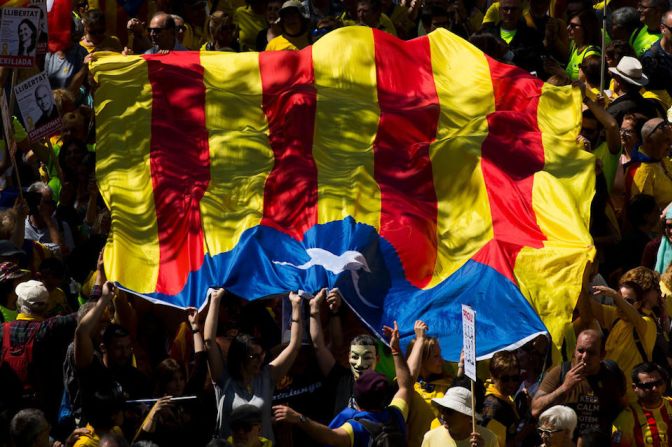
(41, 224)
(624, 21)
(37, 347)
(651, 165)
(556, 426)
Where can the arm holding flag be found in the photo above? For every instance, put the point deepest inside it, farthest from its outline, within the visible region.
(415, 358)
(325, 358)
(281, 364)
(215, 357)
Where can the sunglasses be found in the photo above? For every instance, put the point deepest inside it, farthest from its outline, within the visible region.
(547, 432)
(649, 385)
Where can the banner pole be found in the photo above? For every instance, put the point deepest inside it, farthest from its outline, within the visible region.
(602, 58)
(9, 131)
(473, 407)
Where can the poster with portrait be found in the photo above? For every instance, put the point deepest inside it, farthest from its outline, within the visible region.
(43, 27)
(19, 33)
(39, 114)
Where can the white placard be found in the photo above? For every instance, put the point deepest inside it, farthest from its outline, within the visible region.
(469, 341)
(19, 36)
(38, 110)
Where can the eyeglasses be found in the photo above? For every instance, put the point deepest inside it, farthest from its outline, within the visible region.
(649, 385)
(669, 28)
(547, 432)
(574, 25)
(513, 378)
(627, 132)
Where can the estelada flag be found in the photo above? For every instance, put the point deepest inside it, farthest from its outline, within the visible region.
(414, 176)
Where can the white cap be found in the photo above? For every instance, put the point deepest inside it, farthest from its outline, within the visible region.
(31, 297)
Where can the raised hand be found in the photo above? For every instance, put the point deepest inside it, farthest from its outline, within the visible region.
(393, 335)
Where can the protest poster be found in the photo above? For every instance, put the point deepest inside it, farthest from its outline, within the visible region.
(19, 32)
(469, 341)
(36, 102)
(43, 27)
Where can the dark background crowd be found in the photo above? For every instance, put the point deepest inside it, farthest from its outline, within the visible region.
(83, 363)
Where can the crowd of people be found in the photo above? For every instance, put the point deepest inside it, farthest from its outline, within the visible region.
(83, 363)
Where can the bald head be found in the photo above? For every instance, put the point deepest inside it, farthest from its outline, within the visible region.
(162, 31)
(589, 351)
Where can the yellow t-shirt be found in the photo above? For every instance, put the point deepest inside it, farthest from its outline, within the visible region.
(440, 437)
(93, 438)
(621, 346)
(636, 421)
(264, 442)
(249, 25)
(651, 179)
(284, 43)
(110, 43)
(492, 15)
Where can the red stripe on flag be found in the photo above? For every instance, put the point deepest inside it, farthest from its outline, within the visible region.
(409, 114)
(289, 102)
(510, 155)
(180, 164)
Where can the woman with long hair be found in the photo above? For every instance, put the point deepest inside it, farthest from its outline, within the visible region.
(244, 377)
(584, 35)
(27, 37)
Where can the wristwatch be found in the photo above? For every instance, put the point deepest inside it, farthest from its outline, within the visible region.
(303, 419)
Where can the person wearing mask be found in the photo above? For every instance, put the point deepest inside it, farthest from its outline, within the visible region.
(374, 407)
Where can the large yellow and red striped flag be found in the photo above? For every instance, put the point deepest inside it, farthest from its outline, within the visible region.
(414, 176)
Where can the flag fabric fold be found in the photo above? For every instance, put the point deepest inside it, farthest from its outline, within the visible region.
(414, 176)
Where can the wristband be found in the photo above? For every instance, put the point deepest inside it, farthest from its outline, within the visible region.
(193, 331)
(295, 321)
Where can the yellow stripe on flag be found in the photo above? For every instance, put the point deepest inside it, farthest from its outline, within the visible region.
(345, 128)
(123, 170)
(240, 154)
(565, 185)
(464, 224)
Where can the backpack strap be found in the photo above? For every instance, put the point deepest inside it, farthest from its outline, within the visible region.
(374, 428)
(638, 341)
